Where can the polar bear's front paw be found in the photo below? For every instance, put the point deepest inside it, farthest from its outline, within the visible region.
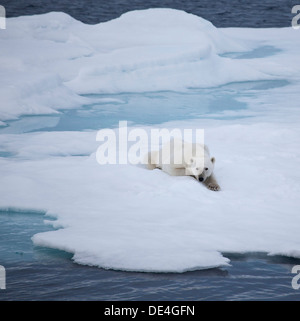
(213, 187)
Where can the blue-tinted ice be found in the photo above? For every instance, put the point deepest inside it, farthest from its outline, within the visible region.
(149, 108)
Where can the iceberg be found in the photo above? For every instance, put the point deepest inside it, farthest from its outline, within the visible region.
(48, 60)
(124, 216)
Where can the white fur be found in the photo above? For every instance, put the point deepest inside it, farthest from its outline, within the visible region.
(179, 158)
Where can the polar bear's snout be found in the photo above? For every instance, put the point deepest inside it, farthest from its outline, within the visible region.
(198, 178)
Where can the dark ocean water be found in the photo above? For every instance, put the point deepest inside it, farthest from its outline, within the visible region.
(222, 13)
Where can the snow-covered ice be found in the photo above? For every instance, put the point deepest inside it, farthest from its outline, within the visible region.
(46, 60)
(124, 216)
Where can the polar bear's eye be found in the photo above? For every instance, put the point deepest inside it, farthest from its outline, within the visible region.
(197, 168)
(206, 168)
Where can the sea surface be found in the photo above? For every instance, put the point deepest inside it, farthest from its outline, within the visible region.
(36, 273)
(222, 13)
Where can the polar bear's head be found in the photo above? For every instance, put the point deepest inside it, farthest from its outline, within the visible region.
(200, 168)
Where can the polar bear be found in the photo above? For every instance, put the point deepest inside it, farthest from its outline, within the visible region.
(180, 158)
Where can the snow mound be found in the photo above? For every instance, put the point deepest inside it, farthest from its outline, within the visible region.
(47, 60)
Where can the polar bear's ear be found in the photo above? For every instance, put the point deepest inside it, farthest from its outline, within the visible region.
(213, 160)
